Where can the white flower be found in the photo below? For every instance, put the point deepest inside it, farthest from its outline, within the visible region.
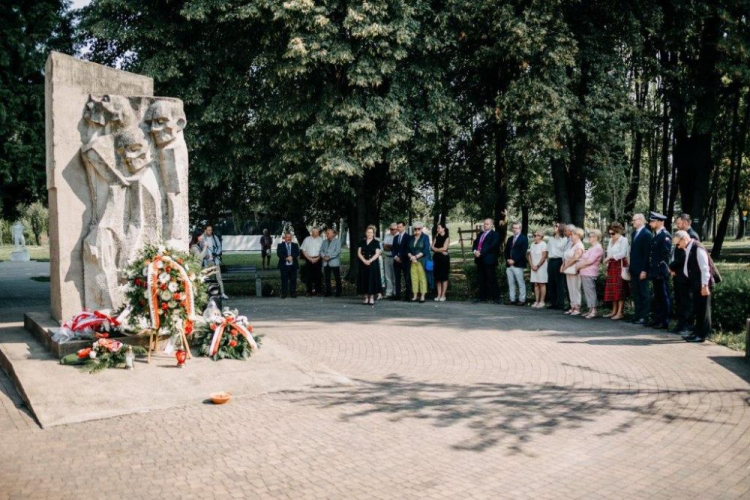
(160, 249)
(164, 278)
(160, 265)
(165, 295)
(92, 354)
(173, 286)
(145, 272)
(145, 295)
(142, 323)
(192, 276)
(172, 304)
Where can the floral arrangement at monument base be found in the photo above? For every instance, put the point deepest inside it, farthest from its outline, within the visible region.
(87, 325)
(225, 335)
(103, 353)
(165, 287)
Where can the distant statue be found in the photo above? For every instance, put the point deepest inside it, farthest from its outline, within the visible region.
(19, 241)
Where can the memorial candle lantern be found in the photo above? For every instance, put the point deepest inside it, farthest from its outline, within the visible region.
(181, 356)
(129, 358)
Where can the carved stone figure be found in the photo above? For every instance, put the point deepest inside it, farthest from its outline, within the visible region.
(137, 195)
(166, 120)
(19, 240)
(19, 253)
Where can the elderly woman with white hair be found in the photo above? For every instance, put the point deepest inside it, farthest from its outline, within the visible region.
(697, 268)
(572, 255)
(419, 254)
(588, 269)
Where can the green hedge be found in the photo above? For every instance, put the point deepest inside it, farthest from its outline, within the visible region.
(730, 301)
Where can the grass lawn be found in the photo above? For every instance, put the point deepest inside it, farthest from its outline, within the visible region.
(40, 253)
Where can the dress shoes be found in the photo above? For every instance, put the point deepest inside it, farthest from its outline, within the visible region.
(693, 338)
(510, 303)
(639, 322)
(665, 326)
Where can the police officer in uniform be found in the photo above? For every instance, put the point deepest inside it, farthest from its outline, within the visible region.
(658, 272)
(683, 292)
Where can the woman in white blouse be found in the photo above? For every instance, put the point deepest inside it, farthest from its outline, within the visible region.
(616, 289)
(537, 258)
(571, 257)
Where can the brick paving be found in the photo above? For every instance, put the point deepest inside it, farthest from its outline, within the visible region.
(446, 401)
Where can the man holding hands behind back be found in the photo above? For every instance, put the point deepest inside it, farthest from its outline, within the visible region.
(288, 254)
(486, 247)
(515, 260)
(640, 252)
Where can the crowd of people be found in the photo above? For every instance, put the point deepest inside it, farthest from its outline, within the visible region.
(563, 269)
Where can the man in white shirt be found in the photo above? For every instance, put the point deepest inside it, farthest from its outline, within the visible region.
(697, 270)
(390, 274)
(310, 250)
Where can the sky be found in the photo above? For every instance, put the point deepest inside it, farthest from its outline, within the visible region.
(77, 4)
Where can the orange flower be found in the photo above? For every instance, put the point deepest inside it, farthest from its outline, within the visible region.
(176, 296)
(233, 333)
(84, 353)
(164, 305)
(232, 343)
(168, 269)
(101, 335)
(213, 327)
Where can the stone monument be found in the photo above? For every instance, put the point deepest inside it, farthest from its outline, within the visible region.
(117, 177)
(19, 253)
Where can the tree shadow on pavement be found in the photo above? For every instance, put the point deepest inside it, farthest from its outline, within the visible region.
(509, 415)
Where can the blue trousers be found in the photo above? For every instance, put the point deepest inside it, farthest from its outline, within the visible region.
(662, 301)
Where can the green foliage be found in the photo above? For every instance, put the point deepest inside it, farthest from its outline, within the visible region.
(35, 217)
(730, 307)
(103, 360)
(28, 31)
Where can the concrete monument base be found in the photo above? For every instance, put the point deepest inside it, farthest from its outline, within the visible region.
(20, 256)
(43, 328)
(60, 394)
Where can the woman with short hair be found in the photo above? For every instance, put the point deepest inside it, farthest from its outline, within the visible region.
(537, 258)
(419, 253)
(572, 256)
(588, 269)
(616, 289)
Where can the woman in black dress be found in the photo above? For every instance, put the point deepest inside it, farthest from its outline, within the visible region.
(368, 253)
(442, 261)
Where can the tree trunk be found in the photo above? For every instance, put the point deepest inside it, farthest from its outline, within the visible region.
(501, 180)
(560, 186)
(739, 133)
(635, 166)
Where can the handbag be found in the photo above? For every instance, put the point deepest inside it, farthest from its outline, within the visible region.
(429, 265)
(625, 273)
(571, 270)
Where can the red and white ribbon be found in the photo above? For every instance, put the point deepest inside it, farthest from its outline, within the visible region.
(152, 284)
(231, 322)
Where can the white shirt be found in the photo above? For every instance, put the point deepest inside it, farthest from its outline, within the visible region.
(702, 263)
(556, 247)
(618, 250)
(388, 240)
(311, 246)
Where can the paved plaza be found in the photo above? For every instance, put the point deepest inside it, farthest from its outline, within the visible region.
(447, 400)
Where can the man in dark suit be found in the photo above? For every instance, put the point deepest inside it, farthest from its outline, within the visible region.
(486, 247)
(288, 254)
(658, 273)
(683, 292)
(640, 251)
(401, 261)
(515, 260)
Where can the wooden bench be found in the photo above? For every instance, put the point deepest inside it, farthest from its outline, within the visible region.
(242, 273)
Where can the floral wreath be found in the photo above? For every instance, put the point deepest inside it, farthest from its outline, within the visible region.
(164, 289)
(225, 335)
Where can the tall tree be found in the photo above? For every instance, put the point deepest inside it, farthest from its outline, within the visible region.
(28, 31)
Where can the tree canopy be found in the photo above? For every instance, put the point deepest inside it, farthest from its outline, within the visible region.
(365, 111)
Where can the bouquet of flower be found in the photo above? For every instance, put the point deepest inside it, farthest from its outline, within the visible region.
(225, 335)
(164, 290)
(86, 325)
(103, 353)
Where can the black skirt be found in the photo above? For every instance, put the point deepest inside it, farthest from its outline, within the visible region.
(442, 269)
(368, 281)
